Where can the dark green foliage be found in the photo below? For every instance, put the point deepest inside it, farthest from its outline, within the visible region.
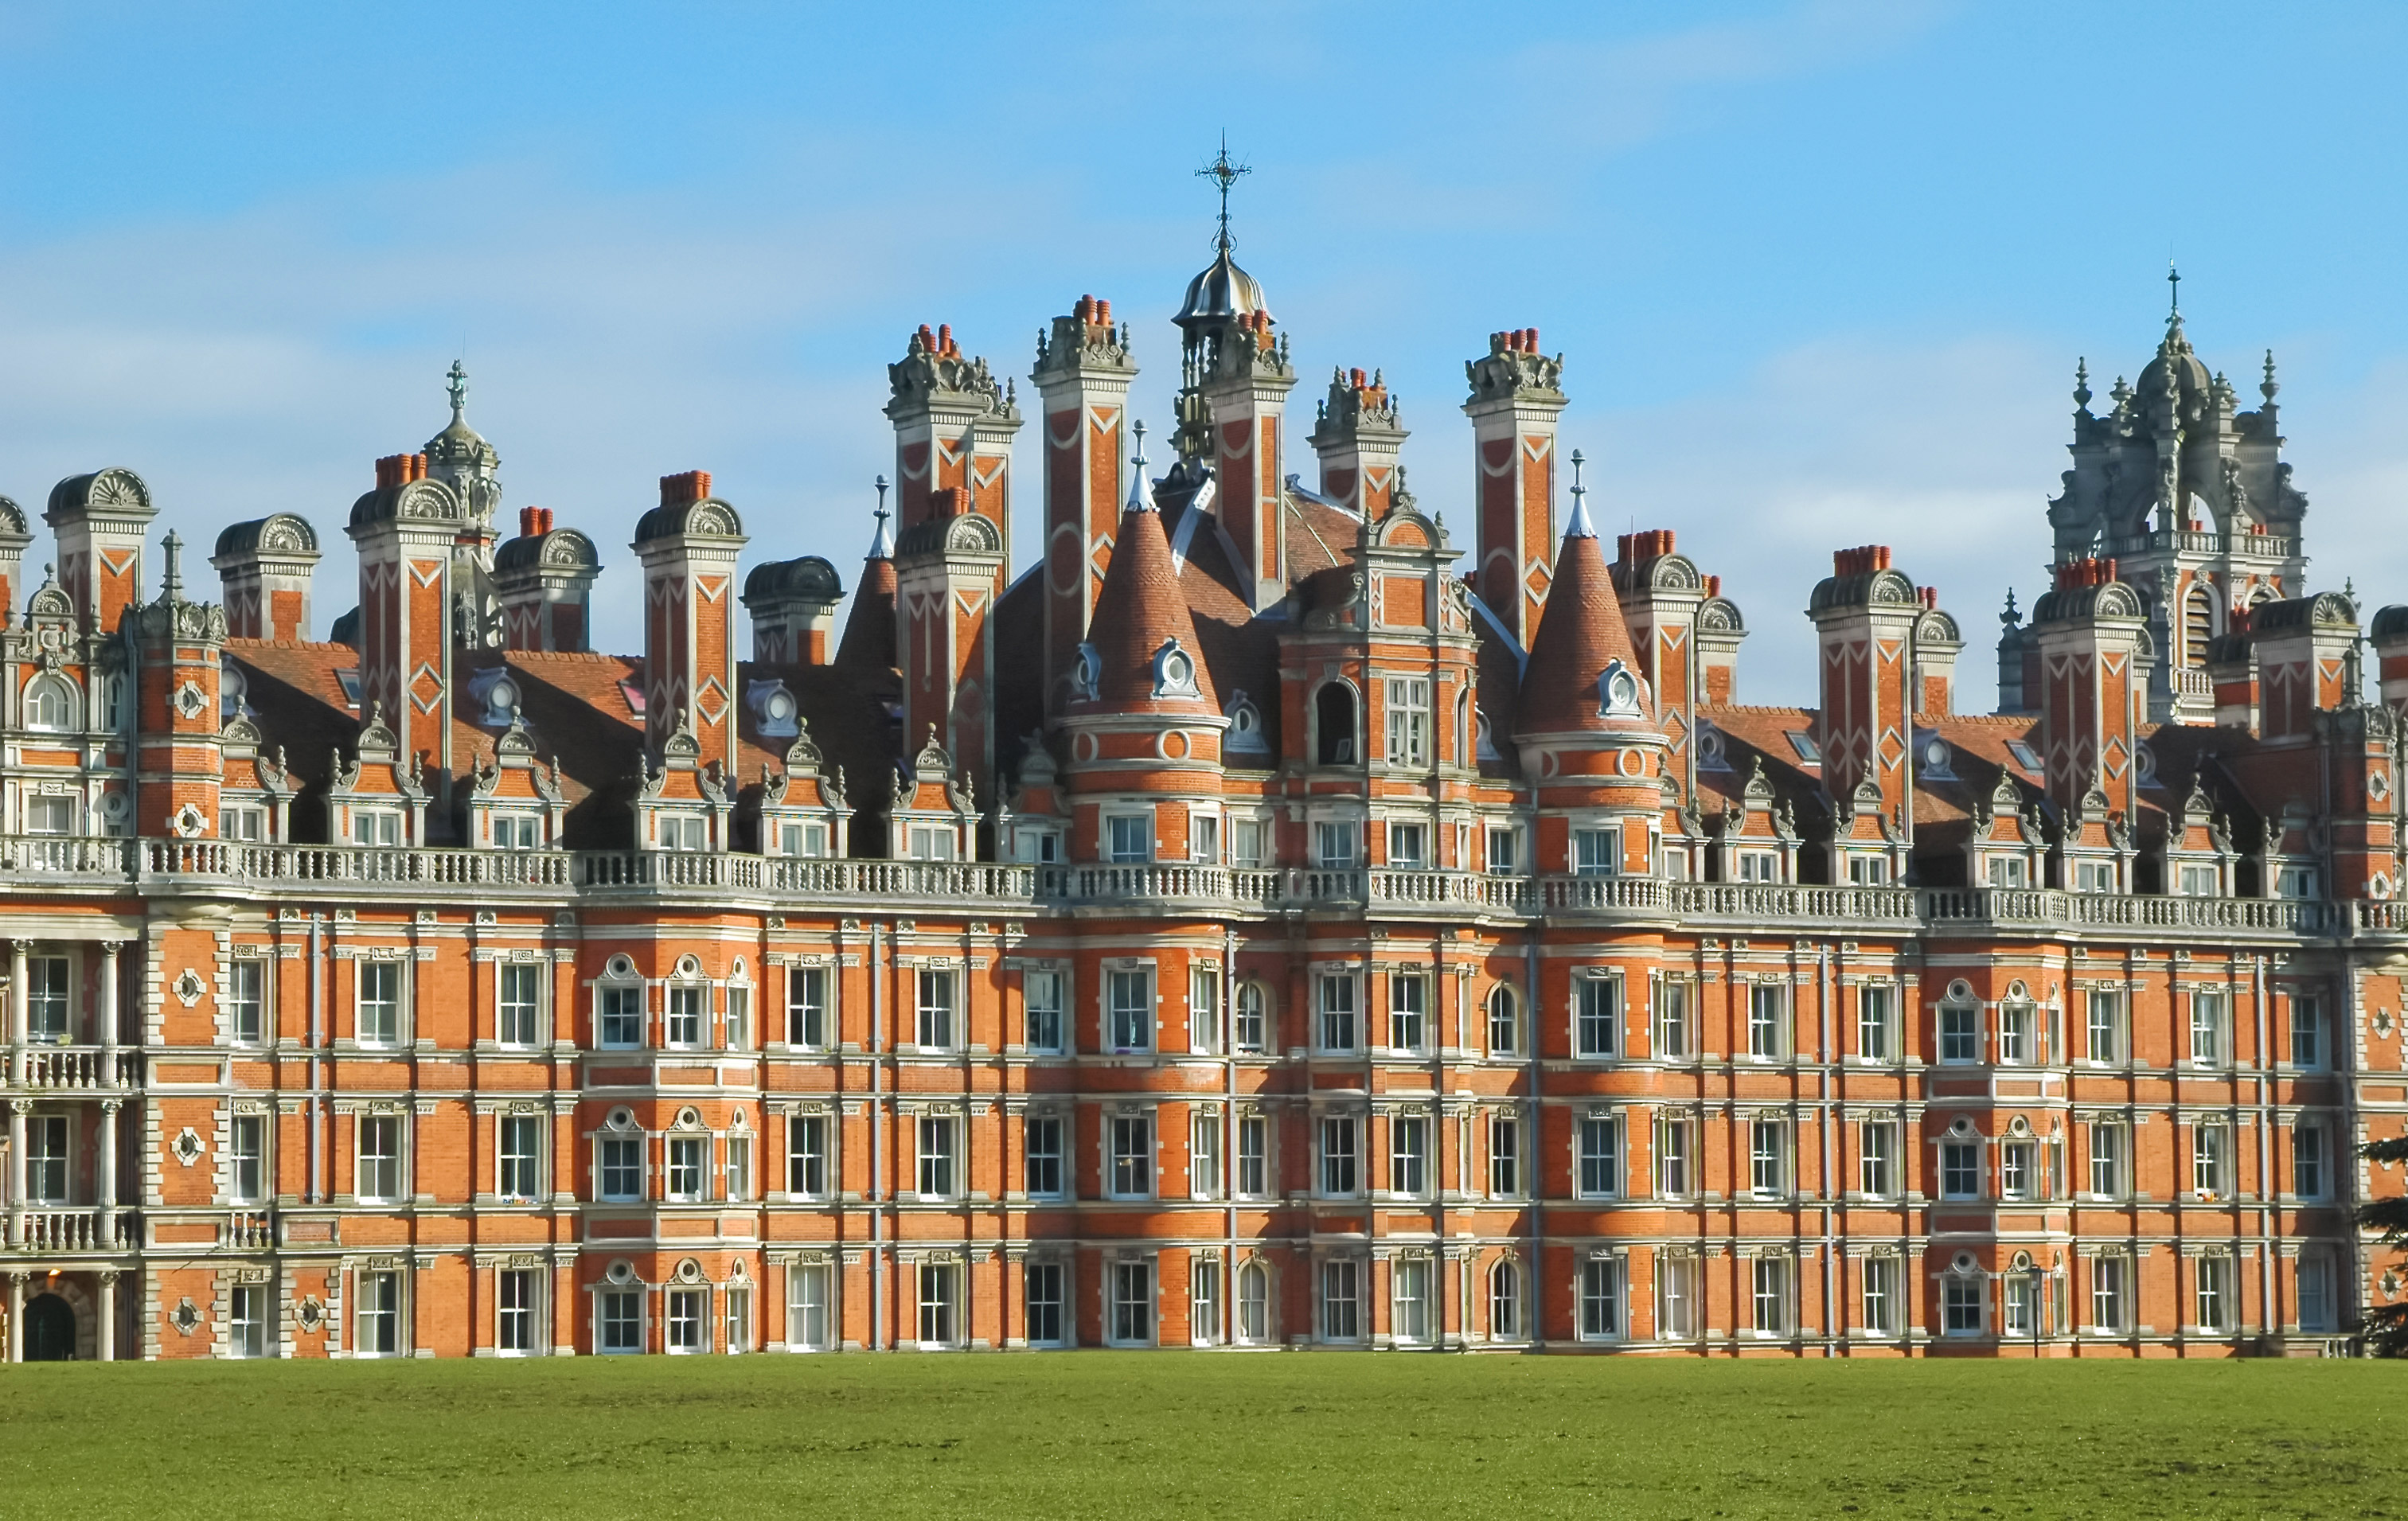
(2386, 1325)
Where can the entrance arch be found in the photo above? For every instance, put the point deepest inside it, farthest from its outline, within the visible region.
(50, 1329)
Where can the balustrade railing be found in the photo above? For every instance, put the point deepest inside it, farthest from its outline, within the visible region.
(81, 1069)
(72, 1230)
(250, 1230)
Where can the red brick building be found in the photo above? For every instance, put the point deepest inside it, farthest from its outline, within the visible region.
(1267, 921)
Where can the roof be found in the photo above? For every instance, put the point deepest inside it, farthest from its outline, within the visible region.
(1143, 640)
(1580, 635)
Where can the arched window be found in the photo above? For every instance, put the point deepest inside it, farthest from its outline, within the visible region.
(1504, 1021)
(50, 704)
(2199, 626)
(1333, 711)
(1462, 756)
(1505, 1302)
(1254, 1303)
(1254, 1017)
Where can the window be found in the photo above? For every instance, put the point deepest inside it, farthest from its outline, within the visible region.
(689, 1016)
(50, 816)
(2015, 1048)
(1960, 1033)
(2019, 1170)
(1504, 1156)
(1960, 1170)
(807, 1318)
(2207, 1028)
(689, 1168)
(806, 1007)
(248, 1327)
(931, 843)
(1043, 1289)
(622, 1017)
(1504, 1021)
(1767, 1156)
(1246, 842)
(1333, 713)
(2106, 1159)
(2197, 880)
(1600, 1156)
(1254, 1303)
(247, 1001)
(1203, 1008)
(1132, 1143)
(379, 1168)
(2212, 1276)
(933, 1024)
(1759, 866)
(520, 1150)
(2093, 876)
(46, 1160)
(1766, 1007)
(521, 996)
(2022, 1305)
(1337, 1012)
(50, 704)
(380, 1002)
(1341, 1300)
(2307, 1032)
(939, 1303)
(737, 1171)
(1671, 1158)
(1504, 850)
(735, 1025)
(623, 1168)
(1254, 1024)
(936, 1153)
(1333, 844)
(1128, 837)
(1881, 1296)
(376, 1325)
(1597, 1016)
(621, 1312)
(514, 1321)
(1204, 838)
(735, 1316)
(2315, 1293)
(247, 1170)
(2007, 871)
(1877, 1158)
(376, 827)
(2207, 1150)
(2103, 1010)
(1408, 1299)
(1408, 1010)
(1601, 1298)
(1254, 1155)
(808, 840)
(1042, 1168)
(1769, 1298)
(1409, 722)
(517, 832)
(1672, 1039)
(1408, 1154)
(1338, 1133)
(1132, 1302)
(807, 1156)
(1960, 1295)
(2297, 881)
(1131, 996)
(1408, 848)
(2107, 1293)
(1597, 853)
(680, 831)
(1042, 993)
(2308, 1161)
(1203, 1154)
(1876, 1022)
(1505, 1302)
(49, 984)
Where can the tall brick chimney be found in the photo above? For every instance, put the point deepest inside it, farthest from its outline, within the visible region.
(1516, 397)
(953, 426)
(688, 546)
(792, 605)
(1358, 437)
(2092, 633)
(1864, 615)
(263, 568)
(403, 531)
(544, 580)
(100, 520)
(1083, 371)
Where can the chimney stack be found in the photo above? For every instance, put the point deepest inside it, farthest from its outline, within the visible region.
(100, 520)
(1083, 371)
(263, 568)
(1516, 397)
(1865, 615)
(544, 580)
(793, 604)
(403, 531)
(688, 546)
(1358, 437)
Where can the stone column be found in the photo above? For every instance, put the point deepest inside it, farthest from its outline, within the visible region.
(104, 1331)
(16, 1317)
(106, 1011)
(17, 1007)
(16, 1177)
(103, 1183)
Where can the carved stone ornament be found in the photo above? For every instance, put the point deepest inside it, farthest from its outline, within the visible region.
(188, 987)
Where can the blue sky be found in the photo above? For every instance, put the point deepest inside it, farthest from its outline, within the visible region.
(1820, 270)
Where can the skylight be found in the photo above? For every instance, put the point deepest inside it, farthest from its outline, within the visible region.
(1808, 751)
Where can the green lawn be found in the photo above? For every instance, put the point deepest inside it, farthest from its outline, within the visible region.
(1241, 1436)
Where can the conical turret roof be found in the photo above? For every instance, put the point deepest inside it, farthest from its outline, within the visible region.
(1581, 637)
(1142, 640)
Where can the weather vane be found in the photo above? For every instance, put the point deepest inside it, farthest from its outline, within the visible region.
(1225, 174)
(2173, 282)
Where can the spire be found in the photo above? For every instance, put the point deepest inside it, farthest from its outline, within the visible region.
(1578, 527)
(882, 543)
(867, 648)
(1581, 637)
(1141, 655)
(1141, 492)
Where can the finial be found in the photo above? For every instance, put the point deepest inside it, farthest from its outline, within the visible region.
(458, 386)
(171, 585)
(1225, 174)
(2011, 617)
(2082, 383)
(1141, 492)
(2173, 300)
(881, 546)
(1578, 527)
(2266, 387)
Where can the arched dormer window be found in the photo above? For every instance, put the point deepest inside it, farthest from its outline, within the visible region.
(1334, 727)
(50, 704)
(1086, 674)
(1246, 736)
(1174, 672)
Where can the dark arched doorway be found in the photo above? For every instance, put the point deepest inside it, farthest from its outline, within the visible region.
(50, 1330)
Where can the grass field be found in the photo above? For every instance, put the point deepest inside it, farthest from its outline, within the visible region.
(1136, 1435)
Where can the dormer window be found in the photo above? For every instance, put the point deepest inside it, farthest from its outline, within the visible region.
(1931, 758)
(776, 714)
(808, 839)
(517, 832)
(1808, 753)
(376, 827)
(497, 693)
(680, 831)
(1618, 691)
(931, 843)
(1712, 754)
(1174, 672)
(1246, 737)
(2007, 871)
(1087, 674)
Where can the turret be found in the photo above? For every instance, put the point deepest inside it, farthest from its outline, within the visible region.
(1516, 396)
(1865, 615)
(1083, 371)
(1357, 435)
(178, 768)
(954, 425)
